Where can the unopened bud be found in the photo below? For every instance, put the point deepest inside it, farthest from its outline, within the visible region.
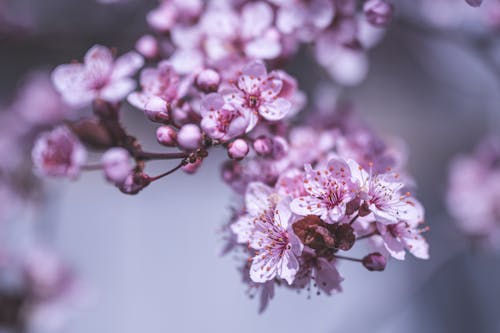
(378, 12)
(166, 136)
(375, 262)
(208, 80)
(238, 149)
(189, 137)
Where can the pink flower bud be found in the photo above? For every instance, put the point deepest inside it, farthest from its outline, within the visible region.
(166, 136)
(238, 149)
(263, 145)
(189, 136)
(378, 12)
(192, 167)
(208, 80)
(147, 45)
(134, 183)
(375, 262)
(117, 166)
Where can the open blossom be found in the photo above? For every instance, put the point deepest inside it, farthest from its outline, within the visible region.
(98, 77)
(403, 236)
(59, 153)
(304, 18)
(222, 120)
(329, 190)
(266, 228)
(250, 31)
(382, 193)
(256, 94)
(473, 196)
(159, 89)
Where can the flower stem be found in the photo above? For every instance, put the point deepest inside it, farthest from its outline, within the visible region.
(168, 172)
(348, 258)
(92, 167)
(146, 156)
(373, 233)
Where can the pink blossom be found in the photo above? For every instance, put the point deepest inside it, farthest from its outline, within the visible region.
(238, 149)
(98, 77)
(329, 190)
(305, 19)
(189, 136)
(275, 244)
(38, 102)
(256, 94)
(159, 90)
(378, 12)
(383, 194)
(404, 235)
(117, 165)
(222, 120)
(250, 31)
(59, 153)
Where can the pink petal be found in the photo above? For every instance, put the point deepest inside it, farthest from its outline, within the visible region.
(275, 110)
(255, 19)
(256, 198)
(71, 81)
(309, 206)
(99, 62)
(255, 68)
(288, 267)
(118, 90)
(127, 65)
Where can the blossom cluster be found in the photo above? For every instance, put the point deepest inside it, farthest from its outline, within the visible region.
(212, 76)
(310, 195)
(473, 196)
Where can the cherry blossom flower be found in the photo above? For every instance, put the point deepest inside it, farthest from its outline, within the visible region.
(305, 19)
(329, 190)
(159, 90)
(382, 193)
(256, 94)
(250, 31)
(98, 77)
(276, 245)
(405, 235)
(59, 153)
(222, 120)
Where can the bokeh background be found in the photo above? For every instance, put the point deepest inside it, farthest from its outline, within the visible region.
(152, 261)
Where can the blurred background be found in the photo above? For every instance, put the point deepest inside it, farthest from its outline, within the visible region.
(151, 262)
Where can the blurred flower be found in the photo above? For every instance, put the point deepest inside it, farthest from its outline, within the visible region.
(59, 153)
(98, 77)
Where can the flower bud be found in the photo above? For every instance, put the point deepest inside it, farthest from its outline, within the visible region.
(238, 149)
(208, 80)
(375, 262)
(378, 12)
(166, 136)
(134, 183)
(192, 167)
(263, 145)
(147, 45)
(189, 137)
(117, 166)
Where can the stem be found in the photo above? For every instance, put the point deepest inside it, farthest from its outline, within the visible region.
(168, 172)
(348, 258)
(354, 219)
(373, 233)
(146, 156)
